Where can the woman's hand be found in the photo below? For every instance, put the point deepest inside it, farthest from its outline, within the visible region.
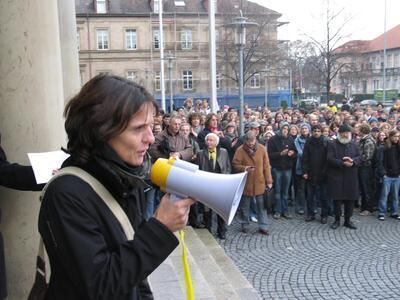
(173, 214)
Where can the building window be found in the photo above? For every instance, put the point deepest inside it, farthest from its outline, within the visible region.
(396, 62)
(102, 39)
(78, 39)
(186, 39)
(218, 81)
(364, 86)
(157, 81)
(131, 75)
(104, 72)
(130, 39)
(376, 84)
(101, 7)
(187, 79)
(255, 80)
(156, 39)
(156, 7)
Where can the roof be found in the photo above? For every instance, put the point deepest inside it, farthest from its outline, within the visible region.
(121, 7)
(377, 44)
(392, 40)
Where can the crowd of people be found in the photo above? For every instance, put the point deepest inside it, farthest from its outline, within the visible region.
(314, 161)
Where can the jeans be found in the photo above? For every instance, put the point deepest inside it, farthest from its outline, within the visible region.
(365, 175)
(244, 210)
(152, 201)
(390, 186)
(317, 191)
(281, 187)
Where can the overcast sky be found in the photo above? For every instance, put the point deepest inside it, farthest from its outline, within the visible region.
(305, 17)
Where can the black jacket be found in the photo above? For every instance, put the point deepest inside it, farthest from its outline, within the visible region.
(388, 161)
(275, 146)
(313, 161)
(342, 181)
(89, 255)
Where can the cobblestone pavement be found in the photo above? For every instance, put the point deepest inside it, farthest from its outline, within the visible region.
(300, 260)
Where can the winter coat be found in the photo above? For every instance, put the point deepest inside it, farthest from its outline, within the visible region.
(223, 164)
(89, 254)
(388, 161)
(224, 142)
(276, 145)
(313, 160)
(342, 181)
(367, 146)
(258, 179)
(165, 143)
(17, 177)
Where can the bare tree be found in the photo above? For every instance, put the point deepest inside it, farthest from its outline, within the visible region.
(329, 59)
(261, 49)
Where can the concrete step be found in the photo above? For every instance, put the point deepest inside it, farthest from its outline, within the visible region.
(167, 281)
(214, 276)
(241, 285)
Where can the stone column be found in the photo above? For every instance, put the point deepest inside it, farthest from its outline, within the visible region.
(32, 93)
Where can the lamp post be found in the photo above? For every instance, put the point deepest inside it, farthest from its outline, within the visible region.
(170, 57)
(240, 24)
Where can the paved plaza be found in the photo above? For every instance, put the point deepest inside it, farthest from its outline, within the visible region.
(302, 260)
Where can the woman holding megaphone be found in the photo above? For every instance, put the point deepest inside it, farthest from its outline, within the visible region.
(109, 127)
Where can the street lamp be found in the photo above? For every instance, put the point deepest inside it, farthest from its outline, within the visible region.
(170, 57)
(240, 24)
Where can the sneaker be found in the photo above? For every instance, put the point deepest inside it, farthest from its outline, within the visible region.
(301, 212)
(324, 220)
(253, 219)
(263, 231)
(365, 213)
(381, 218)
(277, 216)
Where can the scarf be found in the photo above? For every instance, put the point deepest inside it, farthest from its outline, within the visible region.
(250, 151)
(130, 176)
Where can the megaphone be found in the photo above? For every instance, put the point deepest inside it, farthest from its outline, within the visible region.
(220, 192)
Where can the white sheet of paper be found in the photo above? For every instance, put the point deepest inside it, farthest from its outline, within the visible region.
(45, 163)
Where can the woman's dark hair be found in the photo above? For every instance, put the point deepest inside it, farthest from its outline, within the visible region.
(100, 111)
(193, 115)
(208, 119)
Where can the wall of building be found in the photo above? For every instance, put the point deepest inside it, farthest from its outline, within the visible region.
(35, 76)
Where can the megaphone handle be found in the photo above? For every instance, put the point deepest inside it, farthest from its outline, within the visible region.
(174, 198)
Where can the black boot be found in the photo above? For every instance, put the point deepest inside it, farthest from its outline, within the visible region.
(336, 224)
(349, 224)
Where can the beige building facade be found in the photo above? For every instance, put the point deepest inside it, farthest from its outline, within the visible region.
(115, 40)
(364, 73)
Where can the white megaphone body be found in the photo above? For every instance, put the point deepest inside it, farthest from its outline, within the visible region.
(220, 192)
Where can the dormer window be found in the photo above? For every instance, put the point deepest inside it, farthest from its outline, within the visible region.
(101, 6)
(156, 7)
(179, 3)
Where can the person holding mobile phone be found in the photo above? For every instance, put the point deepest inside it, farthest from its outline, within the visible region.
(252, 157)
(282, 153)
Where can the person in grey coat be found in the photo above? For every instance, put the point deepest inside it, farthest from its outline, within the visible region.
(343, 158)
(216, 160)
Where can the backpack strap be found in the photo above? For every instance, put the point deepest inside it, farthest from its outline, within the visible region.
(103, 193)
